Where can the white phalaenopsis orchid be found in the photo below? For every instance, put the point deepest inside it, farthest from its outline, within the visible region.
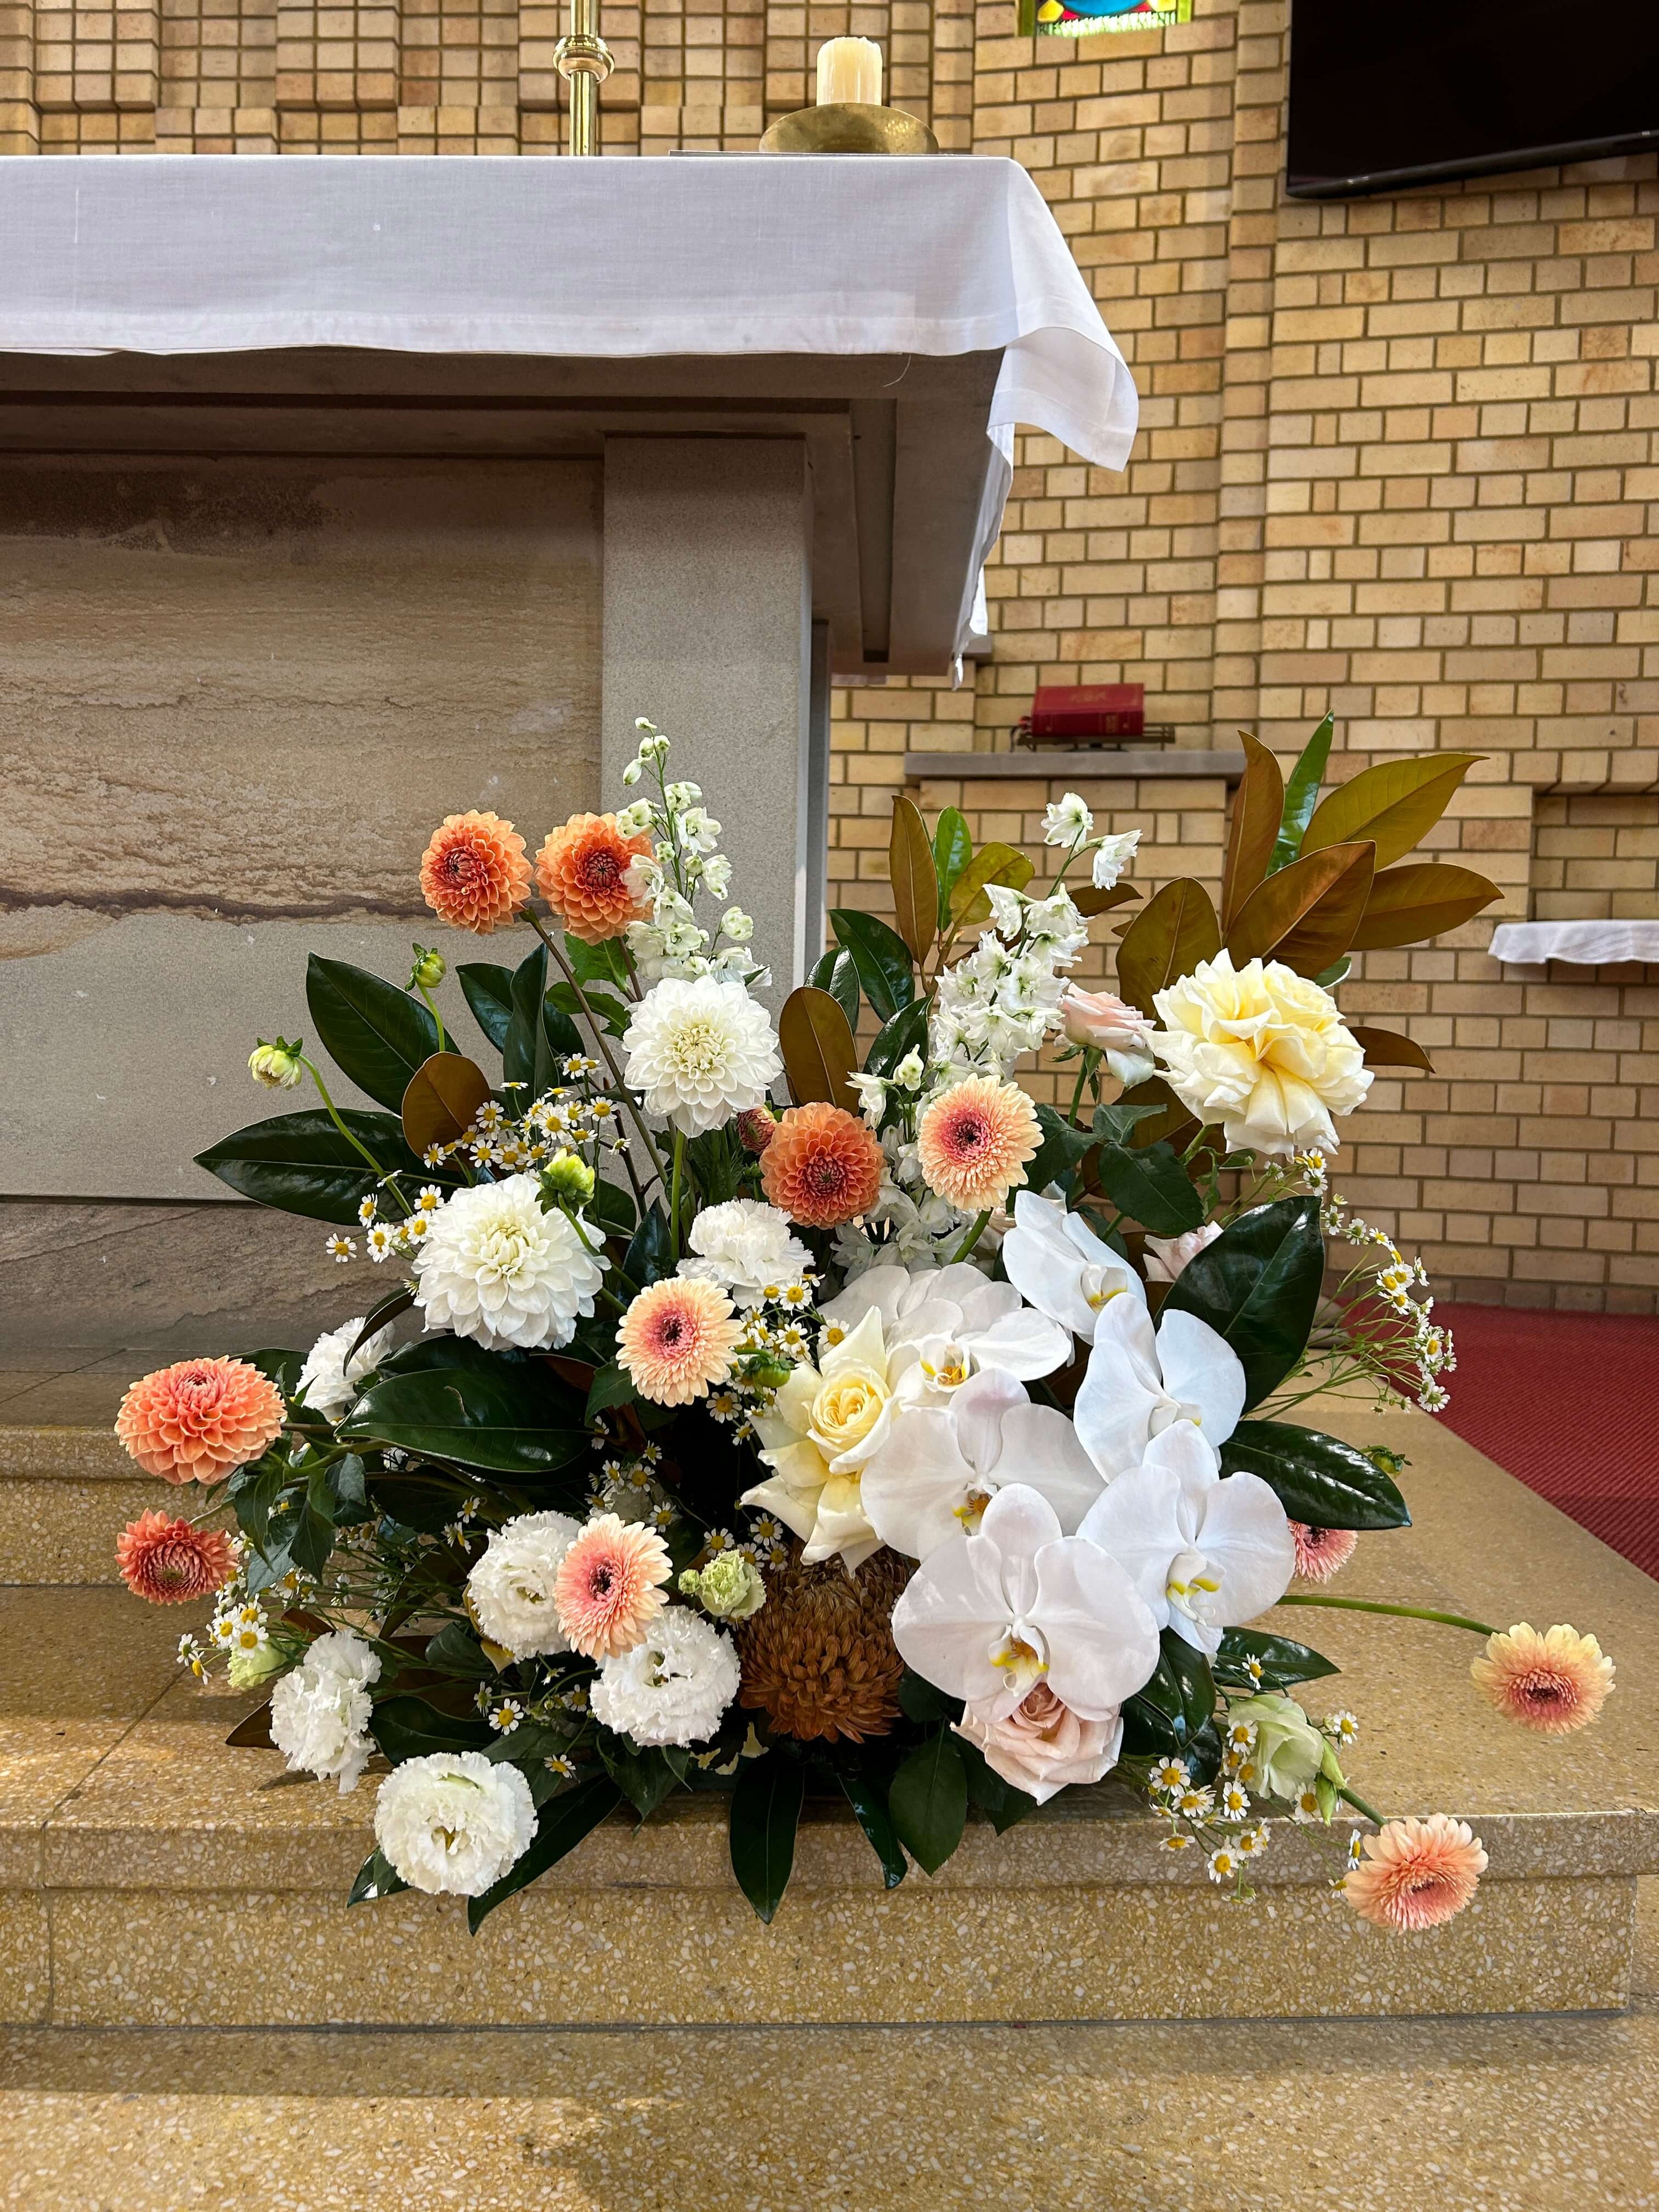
(1020, 1603)
(1055, 1259)
(1140, 1383)
(942, 1325)
(1205, 1552)
(942, 1465)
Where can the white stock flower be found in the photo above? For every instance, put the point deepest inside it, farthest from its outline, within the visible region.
(1112, 856)
(1140, 1383)
(1066, 820)
(673, 1688)
(1054, 1259)
(700, 1051)
(941, 1325)
(496, 1268)
(1205, 1553)
(941, 1465)
(747, 1247)
(1008, 910)
(328, 1383)
(1261, 1050)
(1019, 1603)
(510, 1588)
(1167, 1255)
(453, 1824)
(320, 1712)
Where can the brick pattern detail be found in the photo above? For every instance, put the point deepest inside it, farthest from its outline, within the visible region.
(1397, 458)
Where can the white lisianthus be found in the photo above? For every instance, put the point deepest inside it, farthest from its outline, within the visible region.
(1112, 856)
(453, 1824)
(1054, 1259)
(1289, 1751)
(1066, 820)
(328, 1381)
(747, 1247)
(1261, 1050)
(700, 1051)
(1141, 1382)
(496, 1268)
(510, 1588)
(672, 1687)
(320, 1712)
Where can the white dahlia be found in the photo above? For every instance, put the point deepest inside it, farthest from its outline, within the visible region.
(453, 1823)
(746, 1246)
(701, 1050)
(1261, 1050)
(496, 1268)
(673, 1688)
(320, 1712)
(328, 1380)
(510, 1590)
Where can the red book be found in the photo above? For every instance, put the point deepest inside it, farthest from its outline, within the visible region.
(1087, 710)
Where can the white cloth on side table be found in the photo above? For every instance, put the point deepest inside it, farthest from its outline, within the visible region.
(1584, 943)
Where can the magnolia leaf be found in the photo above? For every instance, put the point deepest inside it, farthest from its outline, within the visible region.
(1250, 1660)
(880, 956)
(487, 991)
(442, 1100)
(833, 971)
(1176, 931)
(302, 1163)
(1306, 915)
(1388, 1049)
(1317, 1478)
(868, 1800)
(993, 863)
(765, 1813)
(1090, 902)
(816, 1040)
(377, 1034)
(953, 850)
(1302, 794)
(1426, 900)
(1258, 1286)
(561, 1823)
(1392, 805)
(914, 878)
(928, 1800)
(1258, 809)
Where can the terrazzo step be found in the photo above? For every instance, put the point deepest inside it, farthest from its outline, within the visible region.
(66, 1495)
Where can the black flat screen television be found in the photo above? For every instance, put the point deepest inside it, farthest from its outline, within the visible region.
(1384, 95)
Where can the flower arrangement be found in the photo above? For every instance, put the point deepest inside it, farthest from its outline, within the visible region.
(781, 1415)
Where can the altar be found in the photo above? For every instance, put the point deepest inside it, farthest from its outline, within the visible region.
(336, 495)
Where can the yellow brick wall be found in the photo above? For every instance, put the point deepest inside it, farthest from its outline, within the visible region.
(1397, 459)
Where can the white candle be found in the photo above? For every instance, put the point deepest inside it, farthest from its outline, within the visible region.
(849, 69)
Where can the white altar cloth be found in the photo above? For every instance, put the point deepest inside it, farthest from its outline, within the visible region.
(725, 255)
(1583, 944)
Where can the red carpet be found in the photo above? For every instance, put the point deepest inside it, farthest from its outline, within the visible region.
(1569, 1403)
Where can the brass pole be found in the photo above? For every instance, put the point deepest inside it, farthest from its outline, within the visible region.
(584, 61)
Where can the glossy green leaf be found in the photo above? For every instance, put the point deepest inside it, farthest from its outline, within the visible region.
(301, 1162)
(509, 1420)
(1002, 1805)
(418, 1497)
(906, 1033)
(928, 1800)
(376, 1877)
(539, 1036)
(487, 991)
(383, 1311)
(1165, 941)
(953, 849)
(612, 1207)
(1283, 1662)
(1151, 1186)
(920, 1701)
(284, 1369)
(456, 1650)
(598, 963)
(1062, 1148)
(833, 971)
(1258, 1285)
(1317, 1479)
(650, 1256)
(591, 1003)
(644, 1777)
(868, 1800)
(409, 1728)
(561, 1823)
(765, 1813)
(374, 1032)
(611, 1386)
(881, 957)
(1302, 795)
(1181, 1691)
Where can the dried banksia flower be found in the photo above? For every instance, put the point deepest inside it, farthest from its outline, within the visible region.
(818, 1658)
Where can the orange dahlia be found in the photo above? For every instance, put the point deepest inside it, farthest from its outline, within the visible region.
(822, 1166)
(582, 870)
(169, 1563)
(473, 873)
(975, 1140)
(1553, 1683)
(677, 1339)
(1416, 1873)
(194, 1421)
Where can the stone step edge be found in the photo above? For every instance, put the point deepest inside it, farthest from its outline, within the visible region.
(40, 1453)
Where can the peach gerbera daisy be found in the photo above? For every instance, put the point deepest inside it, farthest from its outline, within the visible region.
(1320, 1551)
(1416, 1873)
(608, 1588)
(822, 1166)
(677, 1339)
(194, 1421)
(169, 1563)
(473, 873)
(1553, 1683)
(582, 870)
(975, 1140)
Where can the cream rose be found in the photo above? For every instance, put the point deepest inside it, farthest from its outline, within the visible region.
(1262, 1051)
(847, 1407)
(822, 1427)
(1043, 1746)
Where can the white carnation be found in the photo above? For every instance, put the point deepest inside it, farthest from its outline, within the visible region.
(701, 1050)
(746, 1247)
(320, 1712)
(510, 1589)
(672, 1688)
(328, 1381)
(453, 1823)
(496, 1268)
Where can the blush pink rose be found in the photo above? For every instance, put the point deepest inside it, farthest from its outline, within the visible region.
(1167, 1255)
(1098, 1018)
(1043, 1746)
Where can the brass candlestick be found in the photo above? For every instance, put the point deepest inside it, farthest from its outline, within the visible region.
(584, 61)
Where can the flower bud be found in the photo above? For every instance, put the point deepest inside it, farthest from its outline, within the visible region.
(429, 969)
(1098, 1018)
(276, 1065)
(1167, 1255)
(566, 1180)
(755, 1129)
(737, 925)
(730, 1587)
